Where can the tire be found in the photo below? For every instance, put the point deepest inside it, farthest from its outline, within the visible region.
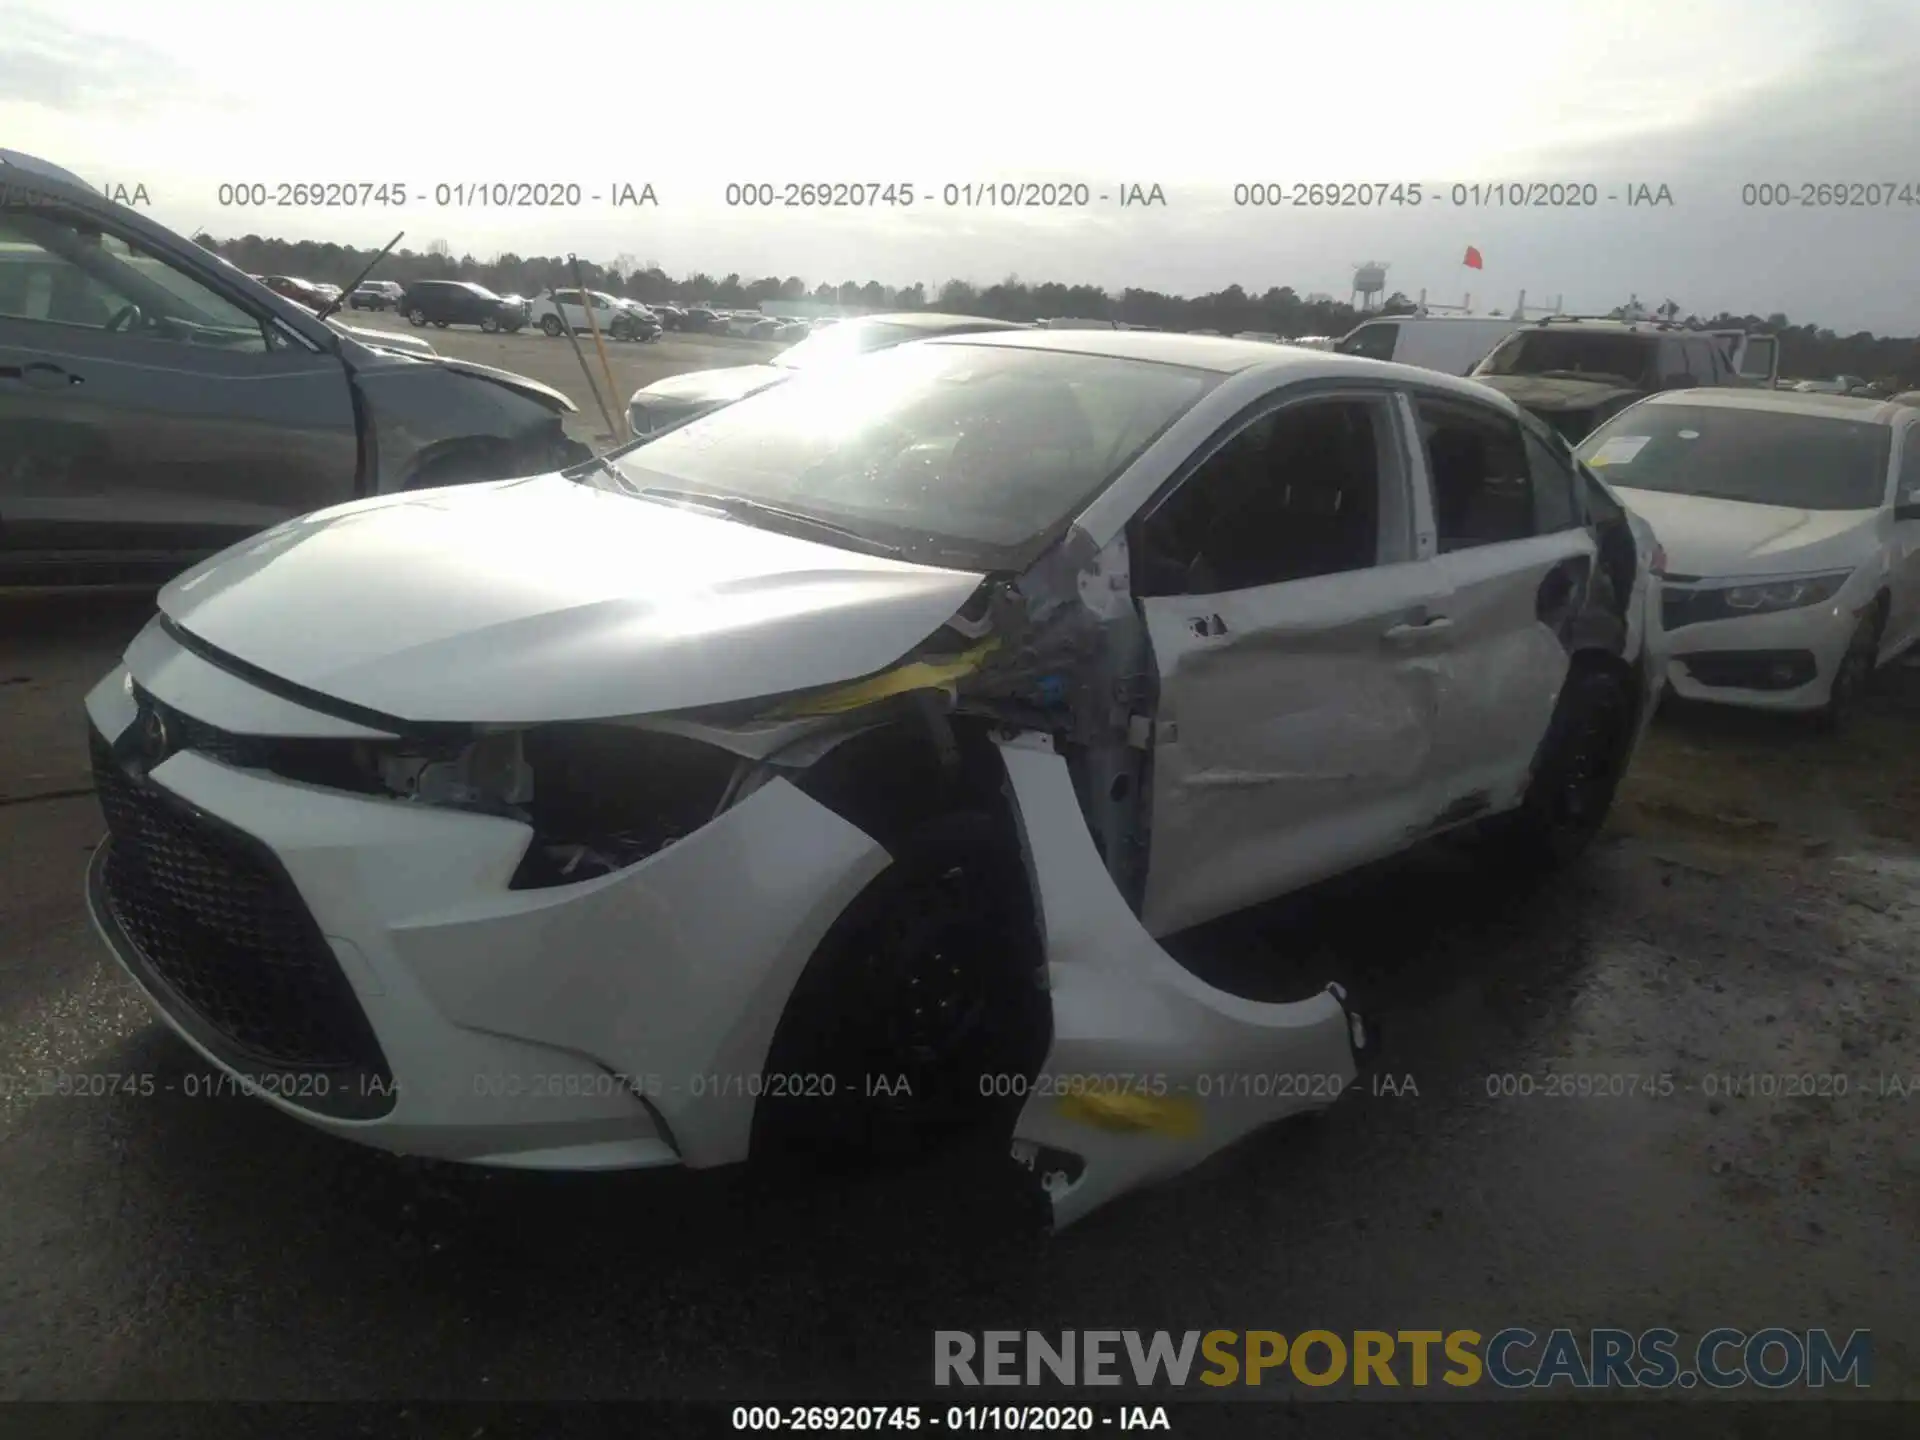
(1854, 678)
(1579, 766)
(416, 317)
(550, 326)
(489, 325)
(619, 330)
(932, 974)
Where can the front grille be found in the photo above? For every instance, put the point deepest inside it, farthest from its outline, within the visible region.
(1688, 607)
(213, 916)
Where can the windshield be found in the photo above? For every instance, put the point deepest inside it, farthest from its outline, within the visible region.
(481, 291)
(950, 454)
(847, 339)
(1762, 457)
(1628, 358)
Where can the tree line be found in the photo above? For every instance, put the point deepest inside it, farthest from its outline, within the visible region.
(1806, 350)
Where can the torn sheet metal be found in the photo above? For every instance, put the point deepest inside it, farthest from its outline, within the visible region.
(1151, 1069)
(914, 675)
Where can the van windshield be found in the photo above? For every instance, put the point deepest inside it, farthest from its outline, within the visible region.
(1583, 353)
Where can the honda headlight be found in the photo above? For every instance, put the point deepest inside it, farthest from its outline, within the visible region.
(1760, 597)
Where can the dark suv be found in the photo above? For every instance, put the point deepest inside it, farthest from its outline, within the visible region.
(157, 404)
(461, 302)
(1577, 373)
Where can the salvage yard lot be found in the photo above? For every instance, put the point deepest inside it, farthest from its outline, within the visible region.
(551, 361)
(1750, 910)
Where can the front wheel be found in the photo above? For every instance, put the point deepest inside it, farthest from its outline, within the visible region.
(489, 325)
(416, 317)
(1854, 677)
(1576, 772)
(550, 324)
(920, 1003)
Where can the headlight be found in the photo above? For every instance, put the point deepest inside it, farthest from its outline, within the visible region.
(1760, 597)
(598, 796)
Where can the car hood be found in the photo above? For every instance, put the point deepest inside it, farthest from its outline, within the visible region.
(719, 387)
(546, 394)
(542, 599)
(1546, 393)
(1714, 538)
(385, 339)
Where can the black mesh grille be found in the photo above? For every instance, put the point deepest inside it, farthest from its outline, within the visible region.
(214, 917)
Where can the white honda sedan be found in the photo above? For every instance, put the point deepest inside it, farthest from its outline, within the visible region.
(1791, 523)
(827, 770)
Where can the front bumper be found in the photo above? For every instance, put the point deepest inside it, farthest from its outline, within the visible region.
(1785, 660)
(619, 1022)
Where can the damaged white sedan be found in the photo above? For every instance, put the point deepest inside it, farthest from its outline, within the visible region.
(828, 770)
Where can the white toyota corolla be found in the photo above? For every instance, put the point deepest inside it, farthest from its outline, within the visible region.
(826, 770)
(1791, 523)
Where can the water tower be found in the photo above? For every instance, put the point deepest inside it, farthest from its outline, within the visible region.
(1369, 284)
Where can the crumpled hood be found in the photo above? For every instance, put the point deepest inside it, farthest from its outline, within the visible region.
(544, 599)
(1717, 538)
(1544, 393)
(719, 387)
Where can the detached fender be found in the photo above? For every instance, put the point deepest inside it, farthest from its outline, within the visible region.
(1167, 1069)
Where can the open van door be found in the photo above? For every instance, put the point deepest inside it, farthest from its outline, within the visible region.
(1756, 358)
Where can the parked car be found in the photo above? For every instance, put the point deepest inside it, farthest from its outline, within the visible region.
(376, 295)
(303, 293)
(671, 317)
(821, 722)
(461, 302)
(1453, 344)
(1575, 372)
(171, 406)
(741, 322)
(558, 310)
(1791, 524)
(699, 320)
(667, 403)
(769, 328)
(328, 292)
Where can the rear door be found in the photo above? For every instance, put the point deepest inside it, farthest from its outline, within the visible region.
(147, 414)
(1300, 634)
(1903, 611)
(1519, 568)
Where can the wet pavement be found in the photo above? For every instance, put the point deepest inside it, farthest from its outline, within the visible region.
(1745, 929)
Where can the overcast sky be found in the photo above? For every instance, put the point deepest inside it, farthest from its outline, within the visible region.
(1702, 96)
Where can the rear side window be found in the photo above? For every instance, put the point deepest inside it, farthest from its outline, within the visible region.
(1556, 503)
(1483, 489)
(1371, 342)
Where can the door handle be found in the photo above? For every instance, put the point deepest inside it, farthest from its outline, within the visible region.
(43, 376)
(1418, 629)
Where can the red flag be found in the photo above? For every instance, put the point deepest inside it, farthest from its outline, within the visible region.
(1472, 262)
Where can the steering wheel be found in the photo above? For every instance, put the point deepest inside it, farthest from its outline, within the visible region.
(125, 318)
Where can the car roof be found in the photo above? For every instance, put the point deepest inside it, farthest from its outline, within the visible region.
(43, 169)
(1225, 357)
(935, 321)
(1787, 402)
